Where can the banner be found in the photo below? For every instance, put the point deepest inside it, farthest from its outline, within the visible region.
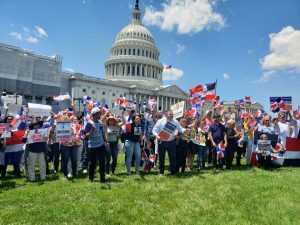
(39, 109)
(287, 101)
(13, 109)
(264, 145)
(63, 131)
(4, 130)
(178, 109)
(38, 135)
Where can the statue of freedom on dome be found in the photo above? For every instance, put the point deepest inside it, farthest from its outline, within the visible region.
(137, 4)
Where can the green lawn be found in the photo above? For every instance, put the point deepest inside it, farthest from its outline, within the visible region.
(244, 196)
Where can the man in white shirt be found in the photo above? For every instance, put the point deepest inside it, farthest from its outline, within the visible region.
(164, 131)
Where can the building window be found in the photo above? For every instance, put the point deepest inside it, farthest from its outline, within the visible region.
(49, 100)
(138, 52)
(142, 52)
(113, 94)
(129, 51)
(125, 51)
(133, 51)
(133, 70)
(150, 54)
(93, 91)
(143, 71)
(146, 53)
(83, 90)
(103, 92)
(128, 70)
(138, 70)
(121, 52)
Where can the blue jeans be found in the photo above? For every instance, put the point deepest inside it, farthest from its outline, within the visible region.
(170, 147)
(133, 148)
(201, 156)
(112, 153)
(69, 152)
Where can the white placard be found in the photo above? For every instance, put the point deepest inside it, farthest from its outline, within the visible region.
(63, 131)
(38, 135)
(4, 130)
(178, 109)
(39, 109)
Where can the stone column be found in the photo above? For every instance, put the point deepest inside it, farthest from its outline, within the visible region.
(162, 104)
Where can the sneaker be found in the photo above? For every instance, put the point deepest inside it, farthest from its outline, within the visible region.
(54, 172)
(84, 171)
(129, 173)
(70, 176)
(161, 174)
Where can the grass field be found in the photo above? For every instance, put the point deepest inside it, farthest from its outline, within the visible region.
(239, 196)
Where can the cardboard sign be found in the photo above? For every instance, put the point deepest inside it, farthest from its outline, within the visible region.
(4, 130)
(287, 101)
(63, 131)
(38, 135)
(39, 109)
(178, 109)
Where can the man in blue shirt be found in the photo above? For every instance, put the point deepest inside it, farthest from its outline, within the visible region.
(217, 134)
(96, 145)
(167, 144)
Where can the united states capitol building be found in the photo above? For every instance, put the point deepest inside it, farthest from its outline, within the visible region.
(132, 70)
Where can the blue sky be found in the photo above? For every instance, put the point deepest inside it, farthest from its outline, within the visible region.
(252, 47)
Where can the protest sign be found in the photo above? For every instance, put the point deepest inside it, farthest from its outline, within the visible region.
(63, 131)
(178, 109)
(4, 130)
(167, 131)
(287, 102)
(38, 135)
(264, 145)
(39, 109)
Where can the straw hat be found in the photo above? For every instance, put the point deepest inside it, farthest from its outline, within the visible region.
(111, 118)
(230, 122)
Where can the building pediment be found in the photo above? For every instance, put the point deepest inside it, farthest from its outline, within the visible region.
(172, 89)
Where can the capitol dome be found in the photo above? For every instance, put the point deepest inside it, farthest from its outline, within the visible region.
(134, 56)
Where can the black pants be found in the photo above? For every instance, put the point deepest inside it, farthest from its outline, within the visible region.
(97, 155)
(3, 170)
(239, 152)
(181, 154)
(210, 151)
(229, 155)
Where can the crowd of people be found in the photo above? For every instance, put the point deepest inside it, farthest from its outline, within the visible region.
(214, 138)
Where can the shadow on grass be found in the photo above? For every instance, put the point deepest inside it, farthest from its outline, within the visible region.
(6, 185)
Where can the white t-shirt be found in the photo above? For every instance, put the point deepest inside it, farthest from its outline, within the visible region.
(296, 129)
(284, 131)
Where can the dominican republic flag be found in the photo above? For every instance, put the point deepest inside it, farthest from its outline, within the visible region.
(86, 117)
(14, 143)
(117, 102)
(236, 103)
(253, 125)
(194, 100)
(260, 114)
(244, 114)
(242, 103)
(126, 128)
(194, 113)
(275, 107)
(221, 150)
(152, 103)
(70, 112)
(203, 89)
(219, 106)
(87, 100)
(97, 104)
(197, 91)
(292, 154)
(209, 96)
(104, 109)
(18, 121)
(131, 104)
(60, 98)
(168, 67)
(281, 103)
(123, 102)
(247, 99)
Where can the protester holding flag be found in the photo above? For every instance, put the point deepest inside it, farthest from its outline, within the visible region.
(96, 145)
(35, 139)
(249, 134)
(112, 137)
(133, 136)
(232, 146)
(266, 126)
(150, 122)
(283, 126)
(164, 131)
(208, 120)
(55, 148)
(182, 147)
(217, 134)
(296, 130)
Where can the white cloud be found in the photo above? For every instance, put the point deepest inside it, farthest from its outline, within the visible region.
(285, 50)
(171, 74)
(266, 76)
(32, 40)
(70, 70)
(226, 76)
(40, 32)
(185, 16)
(26, 29)
(180, 48)
(16, 35)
